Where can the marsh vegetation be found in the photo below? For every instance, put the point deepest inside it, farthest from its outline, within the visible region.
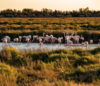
(14, 27)
(50, 68)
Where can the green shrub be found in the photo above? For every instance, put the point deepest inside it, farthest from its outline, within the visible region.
(62, 65)
(53, 57)
(81, 52)
(95, 51)
(62, 51)
(73, 56)
(79, 70)
(85, 60)
(38, 56)
(12, 56)
(20, 80)
(8, 54)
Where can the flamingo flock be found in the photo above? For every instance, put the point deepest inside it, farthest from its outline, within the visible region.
(68, 39)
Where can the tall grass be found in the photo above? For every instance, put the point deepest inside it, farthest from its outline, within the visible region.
(49, 68)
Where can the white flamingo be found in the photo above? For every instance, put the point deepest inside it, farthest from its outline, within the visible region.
(60, 40)
(41, 42)
(6, 40)
(85, 44)
(47, 39)
(16, 39)
(35, 38)
(91, 41)
(20, 38)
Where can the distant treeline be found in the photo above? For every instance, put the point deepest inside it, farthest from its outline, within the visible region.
(82, 12)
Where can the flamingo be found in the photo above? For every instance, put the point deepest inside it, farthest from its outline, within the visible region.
(60, 40)
(47, 39)
(41, 42)
(69, 42)
(6, 39)
(76, 38)
(85, 44)
(91, 41)
(20, 38)
(16, 39)
(35, 38)
(52, 38)
(81, 38)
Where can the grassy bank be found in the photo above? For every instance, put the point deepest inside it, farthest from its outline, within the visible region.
(50, 68)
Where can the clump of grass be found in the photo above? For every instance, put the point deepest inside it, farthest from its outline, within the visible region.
(8, 75)
(60, 83)
(9, 53)
(62, 51)
(81, 52)
(7, 70)
(20, 79)
(73, 56)
(95, 51)
(11, 56)
(79, 70)
(55, 56)
(85, 60)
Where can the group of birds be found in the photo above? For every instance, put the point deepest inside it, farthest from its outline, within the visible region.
(68, 39)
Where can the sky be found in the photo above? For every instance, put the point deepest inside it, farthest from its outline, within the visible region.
(50, 4)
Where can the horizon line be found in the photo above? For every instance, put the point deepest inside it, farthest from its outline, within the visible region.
(49, 9)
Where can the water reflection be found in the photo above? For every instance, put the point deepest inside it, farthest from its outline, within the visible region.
(35, 46)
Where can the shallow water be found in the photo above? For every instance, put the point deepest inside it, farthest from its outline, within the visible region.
(36, 46)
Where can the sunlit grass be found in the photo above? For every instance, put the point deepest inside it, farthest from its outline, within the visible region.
(50, 68)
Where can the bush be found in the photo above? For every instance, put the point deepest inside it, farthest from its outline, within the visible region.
(85, 60)
(38, 56)
(62, 65)
(95, 51)
(81, 52)
(62, 51)
(12, 56)
(73, 56)
(53, 57)
(20, 80)
(79, 71)
(8, 54)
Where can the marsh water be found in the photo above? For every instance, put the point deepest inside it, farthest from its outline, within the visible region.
(36, 46)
